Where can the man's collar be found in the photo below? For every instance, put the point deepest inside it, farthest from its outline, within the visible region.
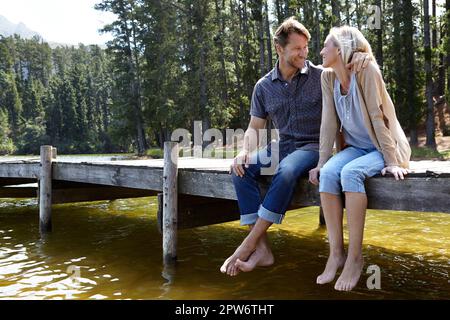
(276, 74)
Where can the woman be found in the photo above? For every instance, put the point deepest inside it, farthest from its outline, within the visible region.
(359, 116)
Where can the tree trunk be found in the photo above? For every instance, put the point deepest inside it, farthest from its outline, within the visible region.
(379, 33)
(134, 85)
(223, 72)
(430, 142)
(316, 32)
(262, 49)
(410, 73)
(142, 141)
(347, 10)
(280, 15)
(447, 11)
(336, 12)
(269, 37)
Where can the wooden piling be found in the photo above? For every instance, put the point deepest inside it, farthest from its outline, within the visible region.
(170, 202)
(321, 217)
(45, 190)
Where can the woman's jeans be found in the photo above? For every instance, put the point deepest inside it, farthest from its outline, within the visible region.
(279, 196)
(347, 170)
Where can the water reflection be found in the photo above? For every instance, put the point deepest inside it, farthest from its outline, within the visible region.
(112, 250)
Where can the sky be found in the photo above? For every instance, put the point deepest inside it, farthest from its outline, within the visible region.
(63, 21)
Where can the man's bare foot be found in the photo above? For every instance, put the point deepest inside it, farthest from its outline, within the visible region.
(243, 252)
(262, 257)
(335, 261)
(350, 275)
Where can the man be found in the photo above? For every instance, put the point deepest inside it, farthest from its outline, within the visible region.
(291, 95)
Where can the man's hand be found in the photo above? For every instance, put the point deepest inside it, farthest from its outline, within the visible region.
(398, 172)
(360, 60)
(242, 158)
(314, 176)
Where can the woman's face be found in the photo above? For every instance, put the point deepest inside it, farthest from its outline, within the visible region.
(329, 53)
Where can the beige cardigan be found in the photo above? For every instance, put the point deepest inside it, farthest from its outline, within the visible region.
(378, 113)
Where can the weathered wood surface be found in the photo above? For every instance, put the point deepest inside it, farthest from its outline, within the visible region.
(45, 190)
(170, 202)
(421, 191)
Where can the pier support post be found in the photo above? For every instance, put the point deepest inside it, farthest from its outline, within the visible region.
(170, 202)
(45, 190)
(321, 217)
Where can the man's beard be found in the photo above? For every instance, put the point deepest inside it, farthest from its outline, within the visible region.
(299, 65)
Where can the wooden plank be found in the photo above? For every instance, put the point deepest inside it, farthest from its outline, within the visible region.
(412, 194)
(20, 170)
(420, 192)
(45, 190)
(69, 195)
(217, 183)
(207, 184)
(113, 175)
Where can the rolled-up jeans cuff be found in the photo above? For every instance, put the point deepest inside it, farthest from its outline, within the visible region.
(250, 218)
(329, 190)
(354, 189)
(270, 216)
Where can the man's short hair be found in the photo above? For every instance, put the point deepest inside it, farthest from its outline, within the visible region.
(290, 25)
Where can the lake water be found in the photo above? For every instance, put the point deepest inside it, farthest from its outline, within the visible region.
(112, 250)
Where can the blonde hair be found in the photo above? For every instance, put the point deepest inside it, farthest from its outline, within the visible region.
(350, 40)
(290, 25)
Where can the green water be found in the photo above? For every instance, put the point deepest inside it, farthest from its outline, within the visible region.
(116, 248)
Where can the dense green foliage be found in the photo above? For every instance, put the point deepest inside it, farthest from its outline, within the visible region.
(172, 62)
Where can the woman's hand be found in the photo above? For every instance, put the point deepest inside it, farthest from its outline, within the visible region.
(397, 171)
(314, 176)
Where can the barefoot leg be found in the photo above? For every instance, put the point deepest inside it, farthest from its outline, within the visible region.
(262, 257)
(247, 247)
(356, 204)
(333, 212)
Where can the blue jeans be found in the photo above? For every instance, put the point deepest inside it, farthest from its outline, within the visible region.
(347, 170)
(277, 199)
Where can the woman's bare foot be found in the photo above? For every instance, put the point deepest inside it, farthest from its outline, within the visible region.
(262, 257)
(242, 253)
(350, 275)
(335, 261)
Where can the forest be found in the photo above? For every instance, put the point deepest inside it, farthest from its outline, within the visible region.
(176, 61)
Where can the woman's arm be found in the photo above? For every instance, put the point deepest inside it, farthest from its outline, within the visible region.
(328, 126)
(372, 89)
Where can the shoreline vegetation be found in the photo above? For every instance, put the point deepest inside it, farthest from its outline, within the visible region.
(420, 152)
(170, 64)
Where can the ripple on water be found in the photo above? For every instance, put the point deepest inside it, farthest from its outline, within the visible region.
(112, 250)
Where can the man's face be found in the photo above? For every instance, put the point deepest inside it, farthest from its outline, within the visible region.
(295, 52)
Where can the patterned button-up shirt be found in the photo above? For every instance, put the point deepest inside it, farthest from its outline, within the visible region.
(295, 108)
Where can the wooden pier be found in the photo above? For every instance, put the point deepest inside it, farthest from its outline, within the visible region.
(194, 192)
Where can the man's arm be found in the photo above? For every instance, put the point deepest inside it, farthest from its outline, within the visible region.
(251, 142)
(251, 137)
